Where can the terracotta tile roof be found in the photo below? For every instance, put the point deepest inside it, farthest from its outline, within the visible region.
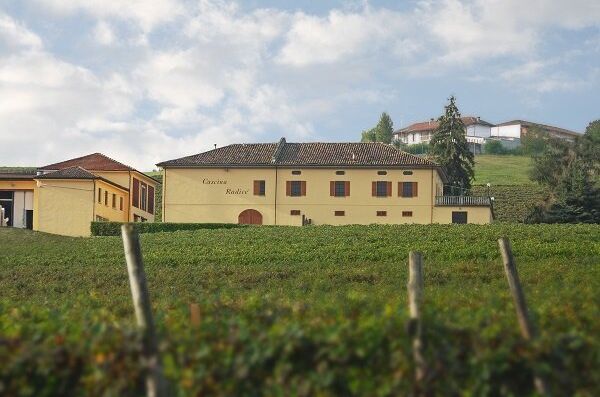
(76, 173)
(69, 173)
(541, 126)
(301, 154)
(433, 124)
(17, 173)
(92, 162)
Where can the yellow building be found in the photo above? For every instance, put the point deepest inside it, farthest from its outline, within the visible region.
(64, 198)
(318, 183)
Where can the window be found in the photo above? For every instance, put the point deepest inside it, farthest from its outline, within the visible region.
(339, 213)
(121, 203)
(105, 198)
(381, 172)
(135, 197)
(339, 188)
(143, 196)
(340, 172)
(459, 217)
(381, 189)
(114, 201)
(381, 213)
(259, 188)
(151, 199)
(101, 219)
(407, 189)
(407, 213)
(99, 195)
(407, 172)
(296, 172)
(295, 212)
(295, 188)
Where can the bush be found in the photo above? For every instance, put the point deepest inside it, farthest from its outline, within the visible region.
(114, 228)
(418, 148)
(494, 147)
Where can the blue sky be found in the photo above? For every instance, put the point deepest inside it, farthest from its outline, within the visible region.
(145, 81)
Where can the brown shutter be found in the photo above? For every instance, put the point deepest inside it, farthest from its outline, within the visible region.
(256, 188)
(288, 188)
(332, 188)
(373, 189)
(415, 189)
(399, 189)
(347, 188)
(303, 188)
(136, 193)
(389, 189)
(150, 199)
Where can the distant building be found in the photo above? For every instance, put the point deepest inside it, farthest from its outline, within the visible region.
(64, 198)
(515, 130)
(476, 132)
(319, 183)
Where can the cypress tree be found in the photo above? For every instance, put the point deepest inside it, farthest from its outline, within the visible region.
(451, 151)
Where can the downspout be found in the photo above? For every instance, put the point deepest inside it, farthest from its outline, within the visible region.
(432, 198)
(276, 171)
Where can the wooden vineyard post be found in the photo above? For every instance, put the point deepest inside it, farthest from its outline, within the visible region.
(195, 315)
(155, 383)
(415, 301)
(525, 324)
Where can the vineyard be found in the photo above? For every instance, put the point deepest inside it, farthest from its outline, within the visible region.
(512, 203)
(301, 311)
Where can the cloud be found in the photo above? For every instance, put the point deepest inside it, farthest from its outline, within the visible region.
(148, 14)
(14, 35)
(104, 34)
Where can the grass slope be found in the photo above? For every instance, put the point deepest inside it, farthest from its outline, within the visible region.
(325, 305)
(502, 170)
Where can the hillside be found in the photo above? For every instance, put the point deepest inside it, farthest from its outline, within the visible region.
(317, 309)
(502, 170)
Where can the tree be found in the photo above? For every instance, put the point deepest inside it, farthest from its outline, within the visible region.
(368, 135)
(494, 147)
(570, 171)
(382, 132)
(450, 149)
(534, 141)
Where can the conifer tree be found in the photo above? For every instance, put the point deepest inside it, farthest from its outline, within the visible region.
(384, 131)
(451, 151)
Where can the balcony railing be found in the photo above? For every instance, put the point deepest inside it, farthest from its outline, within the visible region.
(462, 201)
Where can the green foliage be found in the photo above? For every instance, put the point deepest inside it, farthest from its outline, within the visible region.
(369, 135)
(502, 169)
(301, 311)
(114, 228)
(534, 141)
(418, 148)
(494, 147)
(512, 203)
(450, 148)
(570, 171)
(382, 132)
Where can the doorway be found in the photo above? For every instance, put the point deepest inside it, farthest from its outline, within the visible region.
(6, 202)
(459, 216)
(250, 217)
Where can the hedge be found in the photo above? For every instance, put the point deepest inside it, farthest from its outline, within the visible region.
(114, 228)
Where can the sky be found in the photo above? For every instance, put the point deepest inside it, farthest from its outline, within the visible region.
(144, 81)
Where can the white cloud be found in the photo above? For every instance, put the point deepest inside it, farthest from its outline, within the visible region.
(147, 14)
(104, 34)
(14, 35)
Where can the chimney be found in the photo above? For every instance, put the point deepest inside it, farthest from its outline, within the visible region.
(215, 145)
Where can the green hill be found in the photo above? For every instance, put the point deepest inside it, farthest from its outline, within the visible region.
(502, 170)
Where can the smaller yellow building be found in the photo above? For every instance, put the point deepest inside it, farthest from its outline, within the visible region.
(319, 183)
(64, 198)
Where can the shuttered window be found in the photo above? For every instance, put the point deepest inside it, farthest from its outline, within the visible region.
(339, 213)
(135, 196)
(259, 188)
(143, 196)
(106, 198)
(381, 213)
(295, 188)
(294, 212)
(151, 199)
(381, 189)
(407, 213)
(407, 189)
(339, 188)
(114, 201)
(99, 195)
(121, 203)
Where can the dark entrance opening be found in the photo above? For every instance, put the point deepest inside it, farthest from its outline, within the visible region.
(6, 202)
(459, 217)
(29, 219)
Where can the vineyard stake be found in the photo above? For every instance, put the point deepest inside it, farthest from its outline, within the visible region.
(525, 324)
(155, 383)
(195, 315)
(415, 300)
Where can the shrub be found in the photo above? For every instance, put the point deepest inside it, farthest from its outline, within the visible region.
(114, 228)
(418, 148)
(494, 147)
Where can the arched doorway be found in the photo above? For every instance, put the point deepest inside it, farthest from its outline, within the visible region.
(250, 217)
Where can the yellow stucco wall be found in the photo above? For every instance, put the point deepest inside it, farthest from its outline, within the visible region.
(106, 210)
(64, 207)
(17, 185)
(220, 195)
(125, 179)
(478, 215)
